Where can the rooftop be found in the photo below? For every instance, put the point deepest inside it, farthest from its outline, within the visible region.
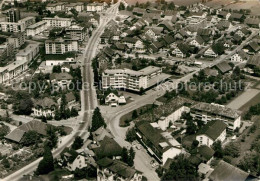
(213, 129)
(217, 109)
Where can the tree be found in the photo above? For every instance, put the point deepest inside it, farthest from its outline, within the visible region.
(130, 135)
(218, 149)
(181, 169)
(134, 114)
(78, 143)
(131, 157)
(121, 6)
(56, 69)
(6, 163)
(232, 150)
(30, 138)
(46, 165)
(73, 112)
(52, 137)
(124, 155)
(97, 120)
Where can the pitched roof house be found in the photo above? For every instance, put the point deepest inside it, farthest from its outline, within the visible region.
(211, 132)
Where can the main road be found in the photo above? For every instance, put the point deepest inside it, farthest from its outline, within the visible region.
(88, 96)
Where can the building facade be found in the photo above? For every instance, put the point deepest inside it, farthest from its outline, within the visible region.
(58, 22)
(61, 46)
(36, 28)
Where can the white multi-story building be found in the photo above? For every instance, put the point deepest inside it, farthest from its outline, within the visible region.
(208, 112)
(77, 32)
(95, 7)
(12, 70)
(61, 46)
(212, 132)
(130, 79)
(58, 22)
(19, 26)
(36, 28)
(55, 7)
(29, 53)
(79, 7)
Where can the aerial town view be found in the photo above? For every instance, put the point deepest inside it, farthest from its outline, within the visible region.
(130, 90)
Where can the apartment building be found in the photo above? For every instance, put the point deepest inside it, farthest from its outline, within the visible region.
(12, 70)
(29, 53)
(61, 46)
(36, 28)
(19, 26)
(58, 22)
(6, 50)
(95, 7)
(12, 15)
(55, 7)
(161, 145)
(79, 7)
(76, 32)
(209, 112)
(17, 39)
(130, 79)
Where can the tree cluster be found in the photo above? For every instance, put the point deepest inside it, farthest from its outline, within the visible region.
(127, 156)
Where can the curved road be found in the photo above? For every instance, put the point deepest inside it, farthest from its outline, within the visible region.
(89, 100)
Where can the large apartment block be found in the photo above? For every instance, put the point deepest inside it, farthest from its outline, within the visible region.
(130, 79)
(58, 22)
(12, 15)
(12, 70)
(76, 32)
(36, 28)
(17, 39)
(29, 53)
(209, 112)
(19, 26)
(61, 46)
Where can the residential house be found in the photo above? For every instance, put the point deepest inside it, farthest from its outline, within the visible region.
(107, 147)
(253, 47)
(210, 52)
(109, 169)
(224, 25)
(208, 112)
(159, 144)
(226, 171)
(240, 56)
(243, 32)
(213, 131)
(38, 126)
(224, 14)
(61, 80)
(44, 107)
(196, 18)
(52, 62)
(197, 42)
(111, 98)
(253, 22)
(182, 50)
(101, 133)
(223, 67)
(236, 17)
(254, 61)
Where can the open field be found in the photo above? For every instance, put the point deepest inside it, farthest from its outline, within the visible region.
(250, 103)
(254, 6)
(245, 97)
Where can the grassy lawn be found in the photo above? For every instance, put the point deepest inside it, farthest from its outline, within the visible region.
(128, 116)
(250, 103)
(58, 173)
(246, 139)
